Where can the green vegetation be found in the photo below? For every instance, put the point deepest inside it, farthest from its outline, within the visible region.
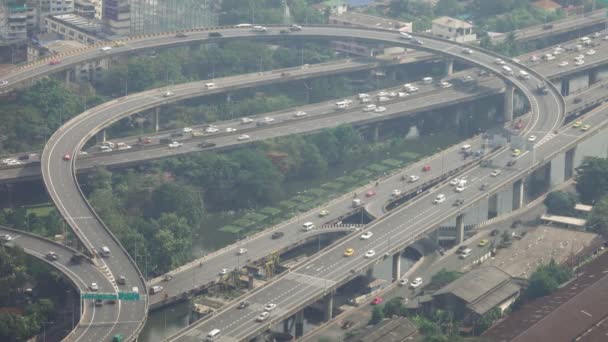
(560, 203)
(487, 320)
(25, 313)
(443, 277)
(439, 327)
(45, 223)
(592, 179)
(377, 315)
(269, 12)
(546, 279)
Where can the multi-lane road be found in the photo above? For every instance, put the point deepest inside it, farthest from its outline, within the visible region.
(60, 153)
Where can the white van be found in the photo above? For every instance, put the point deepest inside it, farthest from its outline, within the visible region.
(210, 85)
(341, 105)
(465, 253)
(213, 334)
(105, 251)
(106, 48)
(135, 289)
(308, 226)
(507, 70)
(439, 199)
(427, 80)
(465, 148)
(524, 75)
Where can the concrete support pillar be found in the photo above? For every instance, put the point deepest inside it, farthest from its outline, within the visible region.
(286, 326)
(518, 194)
(369, 273)
(228, 98)
(565, 86)
(592, 76)
(328, 302)
(156, 119)
(392, 74)
(459, 228)
(397, 266)
(449, 66)
(376, 133)
(68, 76)
(250, 282)
(100, 136)
(508, 106)
(299, 323)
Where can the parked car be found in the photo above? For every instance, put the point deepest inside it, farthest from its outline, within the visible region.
(416, 283)
(377, 301)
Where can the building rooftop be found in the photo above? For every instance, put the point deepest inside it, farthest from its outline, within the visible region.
(571, 221)
(475, 284)
(583, 207)
(576, 311)
(61, 46)
(539, 246)
(547, 5)
(452, 22)
(390, 330)
(85, 24)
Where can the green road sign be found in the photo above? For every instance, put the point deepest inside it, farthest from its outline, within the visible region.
(111, 296)
(128, 295)
(102, 296)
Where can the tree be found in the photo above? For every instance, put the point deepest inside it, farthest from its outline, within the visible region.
(487, 320)
(598, 220)
(172, 197)
(546, 279)
(377, 315)
(560, 203)
(448, 7)
(394, 307)
(592, 179)
(444, 277)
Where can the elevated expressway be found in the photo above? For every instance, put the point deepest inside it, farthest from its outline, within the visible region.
(96, 323)
(59, 175)
(429, 97)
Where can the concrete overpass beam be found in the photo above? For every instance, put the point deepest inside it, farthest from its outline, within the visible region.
(100, 136)
(460, 228)
(156, 119)
(397, 266)
(449, 66)
(299, 323)
(328, 302)
(508, 105)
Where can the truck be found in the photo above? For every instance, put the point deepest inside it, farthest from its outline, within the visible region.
(542, 89)
(357, 203)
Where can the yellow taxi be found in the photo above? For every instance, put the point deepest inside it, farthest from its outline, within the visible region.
(482, 243)
(323, 213)
(516, 152)
(349, 252)
(585, 127)
(577, 123)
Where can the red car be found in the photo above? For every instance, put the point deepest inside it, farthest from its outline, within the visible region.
(370, 193)
(55, 61)
(147, 141)
(519, 124)
(377, 300)
(426, 168)
(67, 156)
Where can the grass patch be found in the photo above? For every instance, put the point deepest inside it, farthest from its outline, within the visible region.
(243, 222)
(317, 192)
(231, 229)
(361, 173)
(407, 155)
(332, 186)
(40, 211)
(289, 205)
(392, 163)
(255, 217)
(270, 211)
(377, 168)
(347, 180)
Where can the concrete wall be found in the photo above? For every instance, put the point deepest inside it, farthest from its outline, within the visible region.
(579, 82)
(595, 146)
(557, 169)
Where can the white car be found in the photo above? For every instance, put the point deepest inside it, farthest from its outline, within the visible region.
(460, 188)
(187, 129)
(532, 138)
(534, 58)
(605, 38)
(379, 109)
(224, 271)
(6, 237)
(413, 178)
(382, 93)
(299, 114)
(499, 61)
(402, 281)
(230, 130)
(362, 96)
(392, 94)
(445, 84)
(405, 35)
(383, 99)
(168, 93)
(263, 316)
(175, 144)
(579, 57)
(212, 129)
(402, 94)
(411, 89)
(94, 287)
(366, 235)
(590, 52)
(396, 193)
(269, 307)
(267, 119)
(455, 181)
(370, 253)
(246, 120)
(369, 108)
(439, 199)
(3, 83)
(563, 63)
(495, 173)
(243, 137)
(241, 251)
(416, 283)
(467, 51)
(579, 62)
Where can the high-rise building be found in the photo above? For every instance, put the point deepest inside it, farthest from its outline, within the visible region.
(14, 16)
(52, 7)
(117, 15)
(171, 15)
